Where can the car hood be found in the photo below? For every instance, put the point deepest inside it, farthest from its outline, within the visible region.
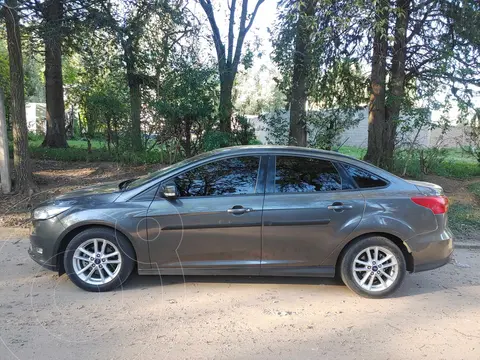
(106, 192)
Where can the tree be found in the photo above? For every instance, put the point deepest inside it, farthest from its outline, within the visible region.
(186, 106)
(132, 27)
(378, 137)
(313, 45)
(301, 67)
(431, 51)
(53, 15)
(229, 60)
(23, 172)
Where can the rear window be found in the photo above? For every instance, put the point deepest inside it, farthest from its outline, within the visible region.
(364, 178)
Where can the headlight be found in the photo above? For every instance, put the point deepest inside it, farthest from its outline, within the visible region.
(47, 212)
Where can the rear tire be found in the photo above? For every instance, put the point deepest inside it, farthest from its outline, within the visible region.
(99, 259)
(373, 267)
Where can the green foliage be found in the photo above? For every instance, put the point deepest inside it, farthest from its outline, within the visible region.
(184, 108)
(242, 133)
(276, 126)
(464, 219)
(5, 75)
(475, 189)
(323, 127)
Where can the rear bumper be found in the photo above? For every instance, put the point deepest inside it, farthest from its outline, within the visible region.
(430, 253)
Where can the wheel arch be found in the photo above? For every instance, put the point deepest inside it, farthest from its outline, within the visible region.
(70, 233)
(395, 239)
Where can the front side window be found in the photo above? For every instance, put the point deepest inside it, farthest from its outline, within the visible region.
(363, 178)
(235, 176)
(299, 174)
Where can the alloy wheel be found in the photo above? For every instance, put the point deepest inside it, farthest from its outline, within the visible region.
(375, 268)
(97, 261)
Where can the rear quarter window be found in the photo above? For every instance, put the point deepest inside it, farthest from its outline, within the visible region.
(364, 178)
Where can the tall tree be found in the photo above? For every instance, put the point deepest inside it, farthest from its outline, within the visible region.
(23, 172)
(301, 67)
(229, 60)
(377, 126)
(132, 26)
(431, 51)
(53, 16)
(313, 45)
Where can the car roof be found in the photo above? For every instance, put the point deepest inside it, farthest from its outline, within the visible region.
(234, 150)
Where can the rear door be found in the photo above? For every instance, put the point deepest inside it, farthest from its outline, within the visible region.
(310, 207)
(214, 225)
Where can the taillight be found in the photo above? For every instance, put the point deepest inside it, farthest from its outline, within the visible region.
(438, 204)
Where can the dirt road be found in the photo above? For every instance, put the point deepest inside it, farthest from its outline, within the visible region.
(435, 315)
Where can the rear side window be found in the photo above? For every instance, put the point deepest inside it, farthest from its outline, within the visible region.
(364, 178)
(299, 174)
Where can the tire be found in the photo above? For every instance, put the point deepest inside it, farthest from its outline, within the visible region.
(388, 269)
(111, 265)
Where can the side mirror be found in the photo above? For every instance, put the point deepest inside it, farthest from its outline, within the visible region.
(169, 191)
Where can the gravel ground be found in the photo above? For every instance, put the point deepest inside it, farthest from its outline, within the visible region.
(435, 315)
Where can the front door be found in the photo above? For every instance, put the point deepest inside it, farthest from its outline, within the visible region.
(214, 225)
(309, 209)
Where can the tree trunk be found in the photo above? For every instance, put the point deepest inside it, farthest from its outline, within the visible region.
(301, 64)
(188, 138)
(397, 80)
(135, 110)
(5, 176)
(56, 134)
(225, 108)
(21, 158)
(109, 132)
(376, 116)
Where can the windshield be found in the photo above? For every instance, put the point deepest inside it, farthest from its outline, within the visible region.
(144, 179)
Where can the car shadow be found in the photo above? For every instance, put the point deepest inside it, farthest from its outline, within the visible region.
(414, 284)
(139, 281)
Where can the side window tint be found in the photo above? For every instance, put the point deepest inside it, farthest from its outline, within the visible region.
(233, 176)
(364, 178)
(299, 174)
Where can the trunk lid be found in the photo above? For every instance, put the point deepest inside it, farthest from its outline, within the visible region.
(427, 188)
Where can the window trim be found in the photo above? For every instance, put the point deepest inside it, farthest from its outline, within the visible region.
(342, 163)
(272, 170)
(261, 171)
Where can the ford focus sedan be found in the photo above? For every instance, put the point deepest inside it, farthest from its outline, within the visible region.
(251, 210)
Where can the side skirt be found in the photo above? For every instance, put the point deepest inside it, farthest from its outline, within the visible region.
(317, 271)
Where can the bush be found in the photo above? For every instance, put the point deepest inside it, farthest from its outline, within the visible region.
(35, 137)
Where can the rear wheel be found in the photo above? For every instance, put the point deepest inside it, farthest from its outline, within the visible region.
(373, 267)
(99, 259)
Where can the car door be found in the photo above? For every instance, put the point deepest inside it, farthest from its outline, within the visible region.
(213, 226)
(310, 207)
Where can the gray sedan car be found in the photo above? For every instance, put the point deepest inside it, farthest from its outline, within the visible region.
(252, 210)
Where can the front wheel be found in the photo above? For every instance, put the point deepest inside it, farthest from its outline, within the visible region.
(99, 259)
(373, 267)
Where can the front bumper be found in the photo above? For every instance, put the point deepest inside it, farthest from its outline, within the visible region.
(44, 242)
(433, 253)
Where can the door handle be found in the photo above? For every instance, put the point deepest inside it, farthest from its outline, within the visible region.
(238, 210)
(336, 206)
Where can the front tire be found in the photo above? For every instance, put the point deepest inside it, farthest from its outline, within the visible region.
(99, 259)
(373, 267)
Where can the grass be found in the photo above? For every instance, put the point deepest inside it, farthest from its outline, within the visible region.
(464, 219)
(456, 164)
(475, 189)
(78, 151)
